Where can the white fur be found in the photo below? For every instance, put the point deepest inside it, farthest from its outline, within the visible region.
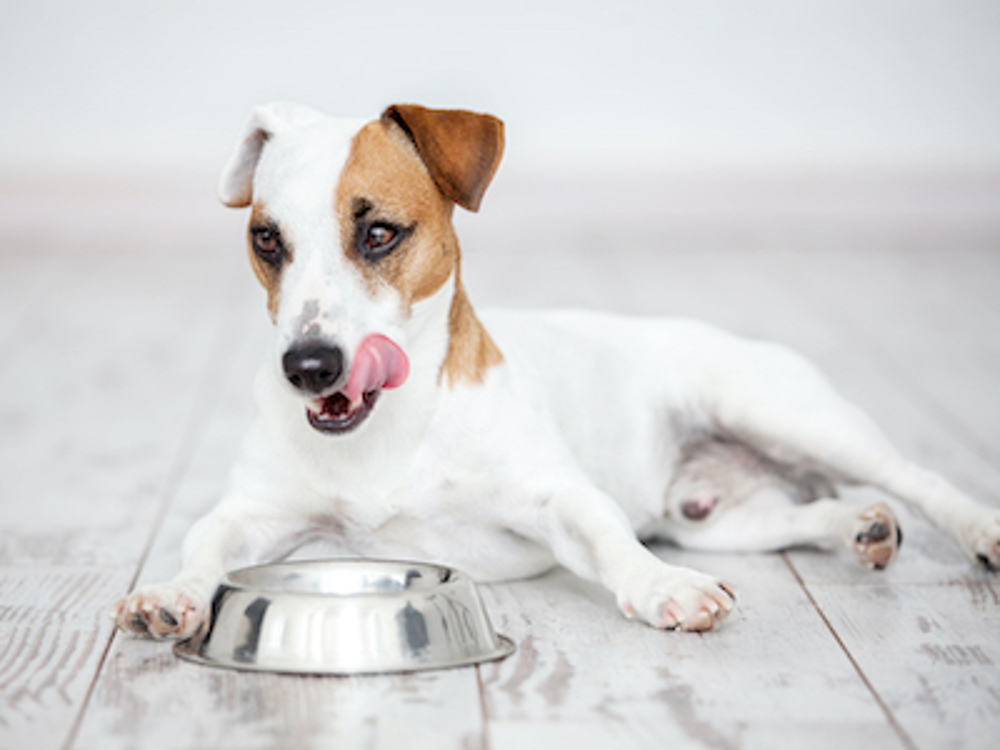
(565, 452)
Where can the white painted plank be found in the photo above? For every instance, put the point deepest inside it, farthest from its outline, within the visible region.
(28, 277)
(931, 652)
(52, 637)
(98, 392)
(771, 676)
(149, 699)
(95, 401)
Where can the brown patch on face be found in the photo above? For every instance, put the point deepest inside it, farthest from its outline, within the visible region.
(267, 273)
(384, 180)
(384, 174)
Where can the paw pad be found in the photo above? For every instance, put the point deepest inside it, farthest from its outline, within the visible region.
(878, 537)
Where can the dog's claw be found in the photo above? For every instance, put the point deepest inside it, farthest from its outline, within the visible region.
(168, 618)
(729, 589)
(138, 625)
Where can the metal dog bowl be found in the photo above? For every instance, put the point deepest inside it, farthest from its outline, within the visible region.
(346, 617)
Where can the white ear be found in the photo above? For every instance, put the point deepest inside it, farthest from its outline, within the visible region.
(236, 185)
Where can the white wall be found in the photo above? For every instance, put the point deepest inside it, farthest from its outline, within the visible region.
(146, 84)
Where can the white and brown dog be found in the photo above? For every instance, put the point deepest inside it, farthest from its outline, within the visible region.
(395, 423)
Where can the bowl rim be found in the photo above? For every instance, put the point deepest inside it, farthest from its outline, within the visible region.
(192, 649)
(451, 576)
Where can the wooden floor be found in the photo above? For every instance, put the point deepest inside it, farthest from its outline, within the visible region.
(131, 326)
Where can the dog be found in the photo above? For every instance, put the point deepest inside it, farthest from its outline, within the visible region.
(395, 422)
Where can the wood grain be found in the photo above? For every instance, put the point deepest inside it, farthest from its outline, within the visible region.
(930, 651)
(147, 697)
(99, 409)
(52, 638)
(770, 674)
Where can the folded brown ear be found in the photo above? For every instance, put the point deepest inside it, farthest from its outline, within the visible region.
(460, 149)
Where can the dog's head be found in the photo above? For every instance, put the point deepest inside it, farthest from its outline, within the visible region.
(350, 230)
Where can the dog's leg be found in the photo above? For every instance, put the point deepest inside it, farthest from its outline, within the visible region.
(784, 408)
(589, 534)
(769, 522)
(226, 538)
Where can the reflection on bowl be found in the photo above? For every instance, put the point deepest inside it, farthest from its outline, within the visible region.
(346, 617)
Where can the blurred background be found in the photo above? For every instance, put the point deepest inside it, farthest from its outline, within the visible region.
(120, 85)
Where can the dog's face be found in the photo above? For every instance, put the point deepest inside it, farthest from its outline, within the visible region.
(350, 230)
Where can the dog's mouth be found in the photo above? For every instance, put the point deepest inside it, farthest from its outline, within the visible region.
(377, 364)
(338, 414)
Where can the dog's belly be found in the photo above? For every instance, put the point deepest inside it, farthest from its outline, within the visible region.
(626, 393)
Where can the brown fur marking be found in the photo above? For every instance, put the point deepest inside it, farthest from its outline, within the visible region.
(385, 171)
(471, 351)
(461, 149)
(267, 275)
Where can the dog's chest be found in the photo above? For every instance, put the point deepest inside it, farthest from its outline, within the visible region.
(446, 521)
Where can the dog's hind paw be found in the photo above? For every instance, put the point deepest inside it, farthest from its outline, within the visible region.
(982, 541)
(679, 599)
(160, 612)
(877, 537)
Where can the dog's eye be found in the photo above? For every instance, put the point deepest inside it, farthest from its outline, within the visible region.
(266, 243)
(378, 239)
(378, 236)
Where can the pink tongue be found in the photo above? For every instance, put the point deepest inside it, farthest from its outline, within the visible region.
(378, 363)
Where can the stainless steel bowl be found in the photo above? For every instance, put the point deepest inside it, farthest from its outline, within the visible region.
(346, 617)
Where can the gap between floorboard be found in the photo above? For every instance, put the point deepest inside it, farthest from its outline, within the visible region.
(890, 717)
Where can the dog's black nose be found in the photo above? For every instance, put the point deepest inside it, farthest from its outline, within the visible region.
(313, 367)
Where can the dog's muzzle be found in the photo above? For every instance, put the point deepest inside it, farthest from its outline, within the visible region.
(314, 368)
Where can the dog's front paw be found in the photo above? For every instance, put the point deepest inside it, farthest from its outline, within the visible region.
(678, 599)
(161, 611)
